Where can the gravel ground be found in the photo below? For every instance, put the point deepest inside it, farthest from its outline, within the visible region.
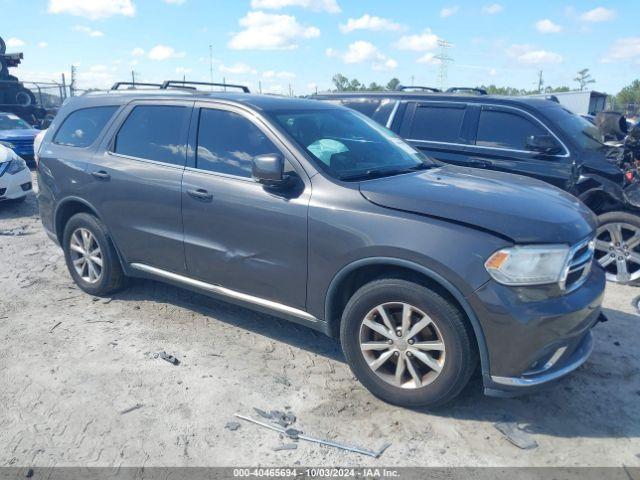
(71, 365)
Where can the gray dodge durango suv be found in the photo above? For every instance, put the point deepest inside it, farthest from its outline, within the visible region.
(315, 213)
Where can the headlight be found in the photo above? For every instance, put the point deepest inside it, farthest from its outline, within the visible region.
(16, 165)
(528, 265)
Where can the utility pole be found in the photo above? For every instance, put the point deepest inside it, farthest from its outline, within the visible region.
(72, 85)
(63, 95)
(540, 82)
(413, 80)
(444, 58)
(211, 65)
(133, 78)
(260, 86)
(290, 91)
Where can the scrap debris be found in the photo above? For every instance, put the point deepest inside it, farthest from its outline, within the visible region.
(169, 358)
(131, 409)
(516, 436)
(281, 418)
(285, 446)
(55, 326)
(233, 426)
(297, 434)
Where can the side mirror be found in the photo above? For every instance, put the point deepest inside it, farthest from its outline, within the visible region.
(543, 144)
(268, 169)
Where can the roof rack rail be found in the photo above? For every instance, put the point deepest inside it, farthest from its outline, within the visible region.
(133, 85)
(188, 85)
(478, 91)
(402, 88)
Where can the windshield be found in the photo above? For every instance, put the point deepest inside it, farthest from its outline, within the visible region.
(584, 133)
(348, 145)
(13, 122)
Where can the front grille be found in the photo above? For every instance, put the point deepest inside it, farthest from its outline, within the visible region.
(578, 265)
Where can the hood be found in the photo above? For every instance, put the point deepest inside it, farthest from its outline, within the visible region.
(28, 133)
(521, 208)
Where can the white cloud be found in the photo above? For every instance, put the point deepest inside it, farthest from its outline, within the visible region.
(598, 14)
(446, 12)
(429, 59)
(96, 76)
(93, 9)
(274, 74)
(368, 22)
(88, 30)
(163, 52)
(330, 6)
(492, 9)
(137, 52)
(265, 31)
(418, 43)
(43, 44)
(623, 49)
(528, 55)
(547, 26)
(360, 52)
(14, 42)
(237, 69)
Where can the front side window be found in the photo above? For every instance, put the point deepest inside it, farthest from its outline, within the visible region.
(348, 145)
(82, 127)
(584, 133)
(438, 124)
(501, 129)
(154, 132)
(13, 122)
(227, 143)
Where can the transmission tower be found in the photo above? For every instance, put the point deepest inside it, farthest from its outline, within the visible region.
(444, 59)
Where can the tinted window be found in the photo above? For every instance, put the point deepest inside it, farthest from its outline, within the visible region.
(154, 132)
(12, 122)
(364, 106)
(505, 130)
(439, 124)
(82, 127)
(227, 143)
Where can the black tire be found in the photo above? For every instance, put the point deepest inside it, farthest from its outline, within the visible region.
(461, 352)
(25, 97)
(3, 47)
(629, 222)
(4, 70)
(112, 277)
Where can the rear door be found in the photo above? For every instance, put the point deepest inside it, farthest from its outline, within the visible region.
(500, 144)
(240, 234)
(439, 130)
(136, 179)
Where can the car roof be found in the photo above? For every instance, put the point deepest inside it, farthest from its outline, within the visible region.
(256, 102)
(440, 97)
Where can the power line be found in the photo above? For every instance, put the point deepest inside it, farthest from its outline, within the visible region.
(444, 59)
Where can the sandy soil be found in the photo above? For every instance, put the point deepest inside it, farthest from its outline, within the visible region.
(70, 364)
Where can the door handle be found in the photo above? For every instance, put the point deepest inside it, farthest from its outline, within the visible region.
(101, 175)
(199, 193)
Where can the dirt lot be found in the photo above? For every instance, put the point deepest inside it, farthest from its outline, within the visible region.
(71, 364)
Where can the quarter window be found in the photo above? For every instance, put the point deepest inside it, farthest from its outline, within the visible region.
(154, 132)
(505, 130)
(438, 124)
(82, 127)
(227, 143)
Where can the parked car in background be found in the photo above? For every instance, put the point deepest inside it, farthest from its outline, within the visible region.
(18, 134)
(315, 213)
(15, 177)
(527, 136)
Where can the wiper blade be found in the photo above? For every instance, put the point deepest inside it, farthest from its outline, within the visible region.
(383, 172)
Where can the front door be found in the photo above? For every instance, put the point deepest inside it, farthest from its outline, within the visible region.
(238, 233)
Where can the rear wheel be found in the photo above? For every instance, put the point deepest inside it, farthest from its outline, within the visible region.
(406, 344)
(618, 246)
(91, 258)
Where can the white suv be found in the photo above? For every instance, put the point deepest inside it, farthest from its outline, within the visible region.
(15, 177)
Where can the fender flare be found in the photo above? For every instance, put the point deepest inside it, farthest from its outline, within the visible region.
(436, 277)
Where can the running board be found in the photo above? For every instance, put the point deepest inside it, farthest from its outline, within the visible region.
(226, 292)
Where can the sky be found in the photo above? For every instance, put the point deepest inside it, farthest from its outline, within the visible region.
(302, 44)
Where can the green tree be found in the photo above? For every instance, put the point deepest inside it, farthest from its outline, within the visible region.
(629, 94)
(374, 87)
(584, 78)
(393, 84)
(355, 85)
(341, 82)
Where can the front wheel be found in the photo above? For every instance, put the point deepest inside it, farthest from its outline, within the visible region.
(618, 246)
(406, 344)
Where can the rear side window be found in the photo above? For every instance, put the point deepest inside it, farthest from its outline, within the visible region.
(227, 143)
(438, 124)
(501, 129)
(154, 132)
(82, 127)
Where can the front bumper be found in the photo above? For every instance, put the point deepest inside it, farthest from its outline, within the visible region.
(15, 186)
(533, 339)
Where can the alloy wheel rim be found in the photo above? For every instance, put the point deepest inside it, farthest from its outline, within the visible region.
(86, 255)
(402, 345)
(618, 251)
